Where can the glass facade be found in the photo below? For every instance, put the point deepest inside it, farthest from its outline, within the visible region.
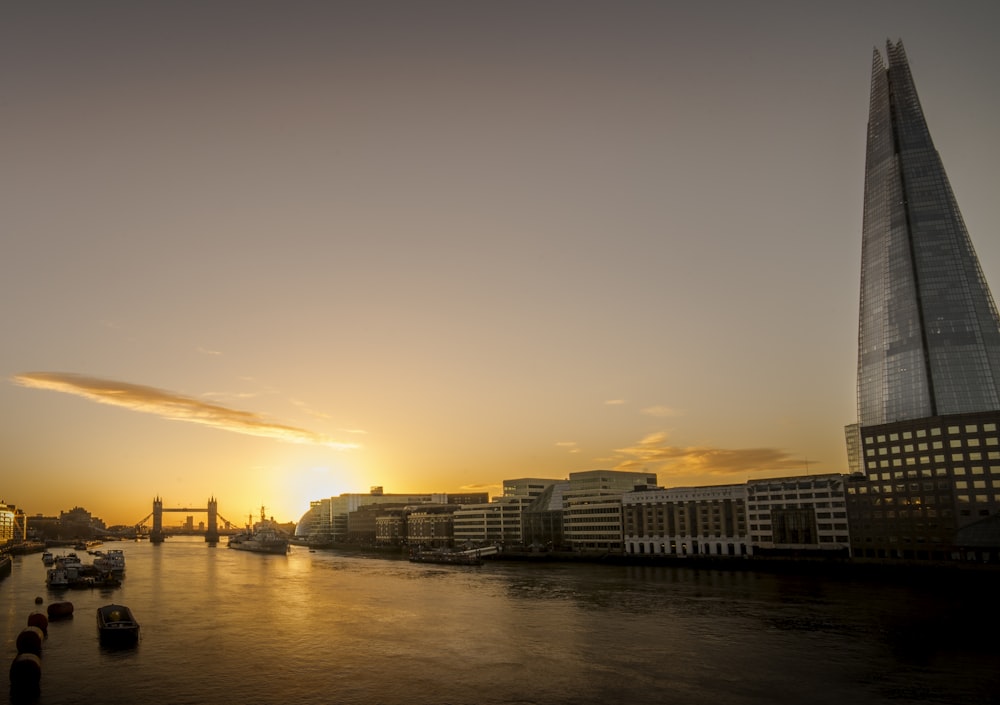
(929, 335)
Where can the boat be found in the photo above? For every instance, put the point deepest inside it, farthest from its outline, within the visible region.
(70, 560)
(260, 540)
(447, 557)
(113, 561)
(262, 537)
(117, 626)
(48, 558)
(57, 578)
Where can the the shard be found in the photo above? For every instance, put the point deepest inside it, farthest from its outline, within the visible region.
(929, 336)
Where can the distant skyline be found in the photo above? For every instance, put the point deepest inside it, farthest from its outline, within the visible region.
(431, 246)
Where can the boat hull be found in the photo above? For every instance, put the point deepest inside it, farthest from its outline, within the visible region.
(116, 626)
(254, 547)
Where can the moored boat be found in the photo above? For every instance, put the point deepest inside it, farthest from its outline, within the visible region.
(263, 540)
(446, 557)
(57, 578)
(262, 537)
(48, 558)
(112, 561)
(117, 626)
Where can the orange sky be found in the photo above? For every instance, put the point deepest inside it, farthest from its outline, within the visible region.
(275, 253)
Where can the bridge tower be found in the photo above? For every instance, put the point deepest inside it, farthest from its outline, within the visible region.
(156, 535)
(212, 533)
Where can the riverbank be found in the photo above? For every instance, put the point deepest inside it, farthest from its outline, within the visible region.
(832, 568)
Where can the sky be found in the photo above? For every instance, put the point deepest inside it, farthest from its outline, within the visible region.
(274, 252)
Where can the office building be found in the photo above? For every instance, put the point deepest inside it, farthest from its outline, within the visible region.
(686, 521)
(928, 344)
(592, 508)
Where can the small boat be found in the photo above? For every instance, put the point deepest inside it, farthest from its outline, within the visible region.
(57, 578)
(446, 557)
(113, 561)
(70, 560)
(48, 558)
(117, 626)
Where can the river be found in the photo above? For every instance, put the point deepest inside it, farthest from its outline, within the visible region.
(226, 627)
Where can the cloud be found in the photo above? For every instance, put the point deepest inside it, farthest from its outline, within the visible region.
(698, 462)
(569, 445)
(614, 402)
(169, 405)
(660, 411)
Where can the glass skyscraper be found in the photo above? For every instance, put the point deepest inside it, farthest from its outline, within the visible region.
(925, 452)
(929, 336)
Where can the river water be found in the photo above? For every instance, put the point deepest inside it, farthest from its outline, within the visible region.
(228, 627)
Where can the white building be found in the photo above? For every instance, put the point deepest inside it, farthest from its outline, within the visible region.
(498, 522)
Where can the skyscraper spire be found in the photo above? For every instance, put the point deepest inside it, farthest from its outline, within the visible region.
(929, 334)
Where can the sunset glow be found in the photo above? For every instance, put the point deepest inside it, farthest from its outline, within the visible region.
(278, 252)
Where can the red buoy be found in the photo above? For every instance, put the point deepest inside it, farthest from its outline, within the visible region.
(29, 641)
(60, 610)
(25, 673)
(37, 619)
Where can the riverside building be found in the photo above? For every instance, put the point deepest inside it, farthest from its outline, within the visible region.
(592, 508)
(923, 452)
(686, 521)
(328, 519)
(498, 522)
(799, 516)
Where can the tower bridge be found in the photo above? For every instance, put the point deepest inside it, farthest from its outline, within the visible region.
(157, 535)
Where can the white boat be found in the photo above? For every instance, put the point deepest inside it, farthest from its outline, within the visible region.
(57, 578)
(113, 561)
(70, 560)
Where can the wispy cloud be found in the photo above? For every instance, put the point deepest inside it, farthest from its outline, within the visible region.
(570, 446)
(169, 405)
(655, 452)
(660, 411)
(615, 402)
